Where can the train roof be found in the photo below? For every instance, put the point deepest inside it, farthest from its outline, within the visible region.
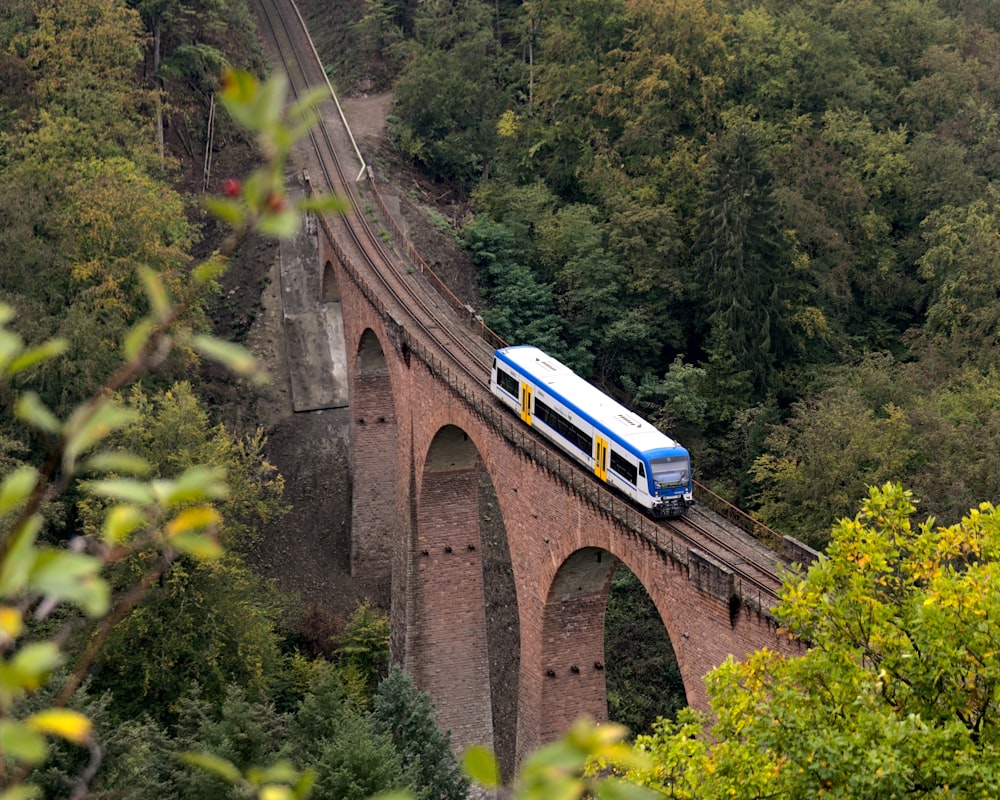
(586, 399)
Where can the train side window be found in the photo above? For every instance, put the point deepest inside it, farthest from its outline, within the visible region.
(624, 468)
(642, 470)
(564, 427)
(506, 382)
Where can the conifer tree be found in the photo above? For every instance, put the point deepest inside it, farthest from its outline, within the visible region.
(408, 717)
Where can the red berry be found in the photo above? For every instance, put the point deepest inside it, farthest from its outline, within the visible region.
(231, 187)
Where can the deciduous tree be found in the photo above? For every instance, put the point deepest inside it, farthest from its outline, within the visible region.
(895, 696)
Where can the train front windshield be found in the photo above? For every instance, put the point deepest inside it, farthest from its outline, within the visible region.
(669, 472)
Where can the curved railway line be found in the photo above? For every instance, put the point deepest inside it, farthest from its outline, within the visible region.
(458, 348)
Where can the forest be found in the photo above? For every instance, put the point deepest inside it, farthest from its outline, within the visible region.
(770, 227)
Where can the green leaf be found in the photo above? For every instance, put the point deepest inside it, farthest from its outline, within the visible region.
(10, 345)
(232, 212)
(616, 789)
(33, 663)
(270, 101)
(120, 522)
(22, 791)
(20, 558)
(234, 356)
(323, 204)
(156, 292)
(197, 545)
(86, 430)
(194, 485)
(17, 487)
(280, 772)
(136, 338)
(73, 577)
(36, 355)
(257, 186)
(481, 765)
(21, 743)
(305, 108)
(214, 765)
(282, 225)
(117, 461)
(123, 489)
(31, 410)
(208, 270)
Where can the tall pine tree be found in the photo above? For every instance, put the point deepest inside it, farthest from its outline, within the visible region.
(744, 268)
(407, 716)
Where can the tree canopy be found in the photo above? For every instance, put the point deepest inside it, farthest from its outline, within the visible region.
(773, 194)
(895, 695)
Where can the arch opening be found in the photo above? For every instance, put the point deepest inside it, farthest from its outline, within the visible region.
(643, 676)
(573, 682)
(607, 650)
(329, 288)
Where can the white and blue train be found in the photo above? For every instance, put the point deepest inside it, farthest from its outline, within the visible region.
(620, 448)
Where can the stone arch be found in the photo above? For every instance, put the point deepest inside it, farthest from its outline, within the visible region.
(639, 634)
(573, 660)
(329, 288)
(448, 652)
(375, 432)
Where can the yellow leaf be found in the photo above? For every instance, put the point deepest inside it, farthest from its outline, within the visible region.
(273, 792)
(63, 722)
(193, 519)
(11, 623)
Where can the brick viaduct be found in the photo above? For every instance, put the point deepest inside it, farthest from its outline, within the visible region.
(422, 445)
(498, 551)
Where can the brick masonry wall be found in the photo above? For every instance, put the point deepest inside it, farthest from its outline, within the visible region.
(375, 463)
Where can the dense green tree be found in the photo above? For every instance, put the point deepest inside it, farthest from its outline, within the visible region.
(826, 453)
(428, 759)
(214, 624)
(81, 59)
(962, 266)
(956, 427)
(521, 309)
(744, 267)
(894, 697)
(243, 732)
(363, 652)
(572, 46)
(452, 92)
(671, 69)
(176, 431)
(352, 761)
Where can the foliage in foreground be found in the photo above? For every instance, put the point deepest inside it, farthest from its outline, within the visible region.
(896, 696)
(166, 518)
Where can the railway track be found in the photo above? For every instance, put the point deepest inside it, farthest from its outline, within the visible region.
(405, 291)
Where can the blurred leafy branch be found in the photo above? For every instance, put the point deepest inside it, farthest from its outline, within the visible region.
(177, 516)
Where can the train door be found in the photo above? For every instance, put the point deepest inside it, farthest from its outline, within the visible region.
(601, 457)
(526, 402)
